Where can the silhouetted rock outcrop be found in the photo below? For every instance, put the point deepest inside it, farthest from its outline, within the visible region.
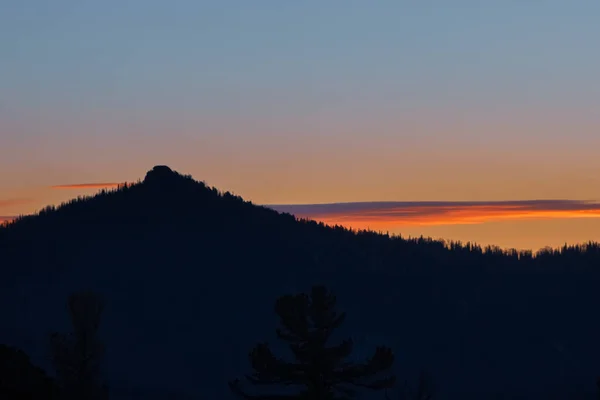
(161, 174)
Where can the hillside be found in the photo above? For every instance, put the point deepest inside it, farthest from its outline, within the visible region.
(190, 274)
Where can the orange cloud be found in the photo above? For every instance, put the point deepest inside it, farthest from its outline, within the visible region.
(390, 215)
(88, 185)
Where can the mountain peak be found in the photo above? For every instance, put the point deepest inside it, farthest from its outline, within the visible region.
(160, 174)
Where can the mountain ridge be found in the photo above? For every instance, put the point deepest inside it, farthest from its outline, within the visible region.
(162, 177)
(190, 274)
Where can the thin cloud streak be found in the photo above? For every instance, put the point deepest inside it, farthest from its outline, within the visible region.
(389, 215)
(88, 185)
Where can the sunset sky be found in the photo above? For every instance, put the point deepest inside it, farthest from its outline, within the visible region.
(487, 109)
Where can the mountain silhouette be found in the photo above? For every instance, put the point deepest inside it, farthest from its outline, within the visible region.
(189, 275)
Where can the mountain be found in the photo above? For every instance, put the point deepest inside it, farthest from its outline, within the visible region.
(190, 274)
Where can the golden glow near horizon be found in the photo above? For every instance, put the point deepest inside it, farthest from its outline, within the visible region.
(520, 224)
(295, 160)
(467, 216)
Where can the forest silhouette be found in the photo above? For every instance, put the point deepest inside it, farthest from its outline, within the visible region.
(189, 274)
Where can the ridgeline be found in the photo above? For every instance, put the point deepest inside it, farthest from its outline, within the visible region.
(189, 274)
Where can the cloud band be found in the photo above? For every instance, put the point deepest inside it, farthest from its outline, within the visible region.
(386, 215)
(88, 185)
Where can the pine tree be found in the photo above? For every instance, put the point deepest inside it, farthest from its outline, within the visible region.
(424, 389)
(77, 356)
(320, 372)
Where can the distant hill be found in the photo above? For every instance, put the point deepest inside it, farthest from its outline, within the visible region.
(190, 274)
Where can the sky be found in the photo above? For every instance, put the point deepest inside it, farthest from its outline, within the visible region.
(311, 102)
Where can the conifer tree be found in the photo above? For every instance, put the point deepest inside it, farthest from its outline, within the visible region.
(423, 391)
(77, 356)
(321, 371)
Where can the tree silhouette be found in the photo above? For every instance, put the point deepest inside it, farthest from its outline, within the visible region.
(77, 356)
(423, 391)
(322, 372)
(20, 379)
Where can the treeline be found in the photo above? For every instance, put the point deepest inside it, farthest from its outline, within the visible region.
(186, 203)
